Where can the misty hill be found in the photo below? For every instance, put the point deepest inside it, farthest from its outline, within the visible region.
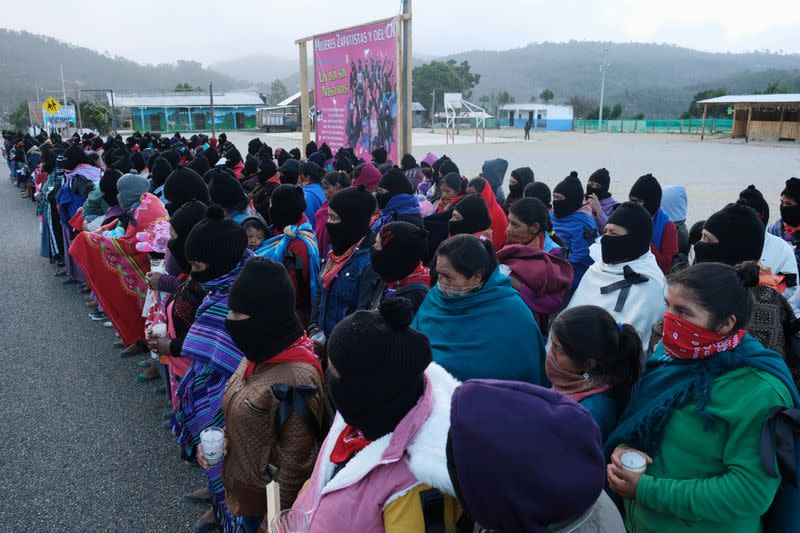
(656, 79)
(257, 68)
(30, 59)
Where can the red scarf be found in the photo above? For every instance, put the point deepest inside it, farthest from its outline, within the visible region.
(335, 264)
(302, 351)
(444, 203)
(421, 274)
(350, 442)
(575, 386)
(684, 340)
(791, 230)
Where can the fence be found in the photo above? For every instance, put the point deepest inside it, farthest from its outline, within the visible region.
(689, 125)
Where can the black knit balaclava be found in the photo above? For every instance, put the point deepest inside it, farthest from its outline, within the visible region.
(623, 248)
(394, 182)
(217, 241)
(599, 184)
(570, 187)
(648, 190)
(403, 246)
(182, 222)
(740, 233)
(264, 292)
(474, 213)
(287, 205)
(355, 206)
(380, 362)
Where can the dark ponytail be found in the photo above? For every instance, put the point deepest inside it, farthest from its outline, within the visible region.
(469, 255)
(590, 333)
(721, 289)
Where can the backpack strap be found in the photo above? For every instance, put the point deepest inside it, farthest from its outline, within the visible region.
(296, 399)
(432, 510)
(778, 442)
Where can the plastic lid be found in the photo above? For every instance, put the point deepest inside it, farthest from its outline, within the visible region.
(631, 459)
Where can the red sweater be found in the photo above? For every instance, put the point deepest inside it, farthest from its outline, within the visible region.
(669, 248)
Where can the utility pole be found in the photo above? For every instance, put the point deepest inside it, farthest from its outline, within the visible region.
(63, 89)
(78, 108)
(211, 95)
(603, 67)
(433, 106)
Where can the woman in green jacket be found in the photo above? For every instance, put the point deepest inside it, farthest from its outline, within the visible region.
(697, 413)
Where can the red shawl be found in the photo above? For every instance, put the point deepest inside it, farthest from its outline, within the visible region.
(541, 272)
(445, 205)
(497, 215)
(302, 351)
(421, 274)
(116, 271)
(335, 264)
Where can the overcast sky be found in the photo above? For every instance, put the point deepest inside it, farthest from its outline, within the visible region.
(208, 31)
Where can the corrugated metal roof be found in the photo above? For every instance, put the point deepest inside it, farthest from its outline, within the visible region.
(175, 99)
(533, 107)
(416, 106)
(753, 99)
(289, 101)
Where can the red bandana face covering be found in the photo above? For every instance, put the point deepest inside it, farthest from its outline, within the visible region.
(684, 340)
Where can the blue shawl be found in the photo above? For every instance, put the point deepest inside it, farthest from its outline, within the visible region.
(577, 231)
(660, 222)
(399, 204)
(490, 333)
(274, 249)
(668, 384)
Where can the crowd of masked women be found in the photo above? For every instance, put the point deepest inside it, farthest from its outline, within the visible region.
(406, 348)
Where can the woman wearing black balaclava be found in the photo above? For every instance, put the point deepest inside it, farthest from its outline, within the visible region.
(348, 280)
(397, 255)
(396, 200)
(576, 229)
(471, 217)
(788, 226)
(279, 375)
(625, 280)
(520, 178)
(647, 192)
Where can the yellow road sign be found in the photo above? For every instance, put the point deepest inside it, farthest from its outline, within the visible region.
(51, 105)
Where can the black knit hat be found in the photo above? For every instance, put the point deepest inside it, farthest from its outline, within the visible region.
(266, 169)
(250, 166)
(182, 221)
(264, 292)
(325, 149)
(572, 190)
(474, 213)
(602, 177)
(648, 190)
(182, 186)
(380, 362)
(408, 162)
(395, 182)
(403, 246)
(160, 171)
(540, 190)
(290, 171)
(108, 185)
(318, 158)
(639, 224)
(312, 170)
(342, 162)
(232, 157)
(173, 157)
(254, 146)
(311, 148)
(217, 241)
(124, 164)
(138, 161)
(224, 189)
(287, 205)
(295, 153)
(448, 167)
(355, 206)
(523, 177)
(74, 156)
(212, 156)
(740, 233)
(792, 189)
(379, 155)
(199, 164)
(752, 197)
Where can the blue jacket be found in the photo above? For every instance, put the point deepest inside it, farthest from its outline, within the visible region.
(404, 207)
(777, 230)
(350, 290)
(315, 197)
(577, 231)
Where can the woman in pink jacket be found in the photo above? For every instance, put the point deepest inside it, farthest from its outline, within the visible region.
(383, 466)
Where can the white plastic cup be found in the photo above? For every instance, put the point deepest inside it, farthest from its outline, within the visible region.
(212, 439)
(633, 461)
(290, 521)
(158, 265)
(159, 330)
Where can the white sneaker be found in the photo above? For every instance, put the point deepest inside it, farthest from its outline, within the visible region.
(108, 324)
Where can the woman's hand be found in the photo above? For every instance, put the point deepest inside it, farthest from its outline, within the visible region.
(201, 458)
(594, 202)
(152, 280)
(620, 480)
(159, 345)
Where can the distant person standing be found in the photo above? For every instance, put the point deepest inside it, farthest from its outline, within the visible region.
(528, 130)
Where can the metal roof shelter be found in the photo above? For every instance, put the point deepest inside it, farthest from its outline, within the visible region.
(760, 117)
(185, 99)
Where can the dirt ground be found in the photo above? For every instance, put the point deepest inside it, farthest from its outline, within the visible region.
(713, 171)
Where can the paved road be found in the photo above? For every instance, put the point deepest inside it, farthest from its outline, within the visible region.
(82, 447)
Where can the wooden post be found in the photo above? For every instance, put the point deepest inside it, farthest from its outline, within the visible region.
(747, 129)
(408, 67)
(703, 130)
(304, 118)
(211, 96)
(780, 128)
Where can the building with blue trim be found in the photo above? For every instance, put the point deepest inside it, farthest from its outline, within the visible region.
(187, 111)
(542, 116)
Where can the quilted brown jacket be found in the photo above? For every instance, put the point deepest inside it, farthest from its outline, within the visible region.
(251, 409)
